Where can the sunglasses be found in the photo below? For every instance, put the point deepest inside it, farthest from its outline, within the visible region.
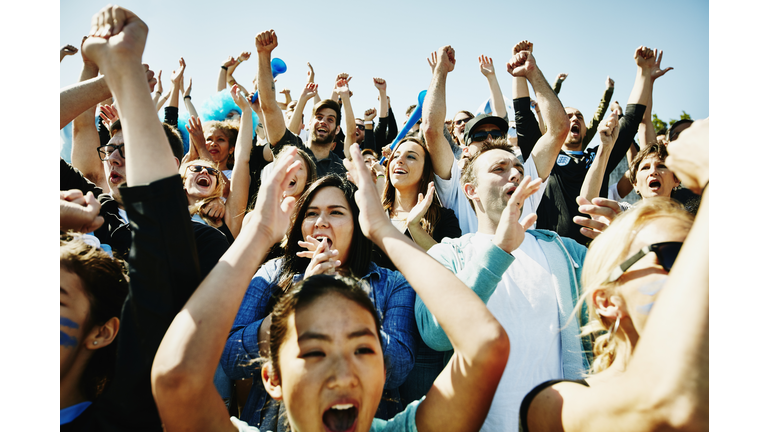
(198, 168)
(461, 120)
(666, 252)
(359, 126)
(483, 135)
(106, 151)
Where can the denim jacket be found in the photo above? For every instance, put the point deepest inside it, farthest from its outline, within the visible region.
(390, 293)
(483, 273)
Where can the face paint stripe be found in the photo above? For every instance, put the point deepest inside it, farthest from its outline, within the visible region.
(67, 341)
(652, 288)
(69, 323)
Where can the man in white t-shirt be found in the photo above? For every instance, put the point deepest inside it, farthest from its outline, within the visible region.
(528, 278)
(484, 128)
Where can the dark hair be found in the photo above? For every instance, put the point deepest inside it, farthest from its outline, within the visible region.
(468, 173)
(432, 217)
(171, 132)
(359, 257)
(106, 285)
(652, 149)
(674, 126)
(306, 292)
(328, 103)
(230, 129)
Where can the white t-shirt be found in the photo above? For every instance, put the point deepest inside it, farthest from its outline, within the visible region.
(452, 196)
(525, 304)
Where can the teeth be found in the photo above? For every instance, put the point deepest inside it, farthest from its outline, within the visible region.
(342, 406)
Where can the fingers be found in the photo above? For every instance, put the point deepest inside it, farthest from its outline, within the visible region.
(590, 228)
(525, 190)
(528, 221)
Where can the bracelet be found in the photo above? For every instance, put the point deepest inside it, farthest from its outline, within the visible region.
(368, 122)
(225, 68)
(188, 97)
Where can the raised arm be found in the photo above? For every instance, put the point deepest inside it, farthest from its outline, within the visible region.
(287, 93)
(177, 82)
(273, 120)
(241, 177)
(85, 137)
(222, 82)
(646, 128)
(188, 99)
(309, 92)
(342, 86)
(547, 147)
(498, 107)
(559, 82)
(66, 50)
(608, 132)
(311, 80)
(600, 111)
(433, 123)
(186, 361)
(461, 395)
(244, 56)
(528, 130)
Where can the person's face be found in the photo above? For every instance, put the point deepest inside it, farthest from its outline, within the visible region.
(459, 123)
(406, 165)
(359, 132)
(498, 173)
(370, 160)
(323, 127)
(200, 184)
(578, 126)
(299, 180)
(654, 178)
(74, 312)
(331, 364)
(329, 216)
(475, 145)
(114, 166)
(641, 282)
(217, 144)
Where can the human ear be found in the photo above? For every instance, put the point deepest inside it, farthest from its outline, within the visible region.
(607, 306)
(104, 334)
(469, 191)
(271, 382)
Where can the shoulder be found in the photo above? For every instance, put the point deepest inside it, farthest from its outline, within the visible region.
(540, 409)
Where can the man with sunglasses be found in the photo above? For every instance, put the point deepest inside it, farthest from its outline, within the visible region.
(485, 128)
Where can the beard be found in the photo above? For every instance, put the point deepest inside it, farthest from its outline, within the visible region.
(328, 138)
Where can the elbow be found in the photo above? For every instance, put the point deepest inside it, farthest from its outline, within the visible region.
(493, 351)
(687, 412)
(174, 383)
(431, 132)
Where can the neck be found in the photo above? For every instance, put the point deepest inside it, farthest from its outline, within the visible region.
(406, 199)
(572, 146)
(192, 200)
(486, 224)
(321, 151)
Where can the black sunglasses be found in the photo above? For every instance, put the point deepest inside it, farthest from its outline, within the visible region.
(483, 135)
(198, 168)
(359, 126)
(461, 120)
(106, 151)
(666, 252)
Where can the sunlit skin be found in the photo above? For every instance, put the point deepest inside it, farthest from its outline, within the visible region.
(217, 144)
(114, 166)
(473, 147)
(330, 359)
(297, 183)
(199, 185)
(329, 216)
(498, 173)
(459, 123)
(653, 178)
(323, 127)
(577, 131)
(406, 165)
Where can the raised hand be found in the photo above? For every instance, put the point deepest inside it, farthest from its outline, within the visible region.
(689, 156)
(310, 74)
(160, 81)
(510, 232)
(522, 64)
(420, 209)
(229, 62)
(486, 65)
(380, 84)
(177, 76)
(369, 115)
(286, 91)
(243, 56)
(108, 114)
(525, 46)
(386, 151)
(266, 41)
(189, 88)
(609, 82)
(432, 60)
(151, 80)
(196, 136)
(608, 129)
(344, 76)
(645, 57)
(342, 86)
(66, 50)
(239, 99)
(446, 58)
(374, 221)
(79, 212)
(310, 91)
(601, 211)
(657, 71)
(562, 76)
(616, 107)
(118, 35)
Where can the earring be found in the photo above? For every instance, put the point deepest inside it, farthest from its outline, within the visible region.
(614, 329)
(95, 342)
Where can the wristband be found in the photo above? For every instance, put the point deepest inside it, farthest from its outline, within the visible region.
(188, 97)
(368, 122)
(225, 68)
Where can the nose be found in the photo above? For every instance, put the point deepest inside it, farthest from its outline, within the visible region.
(343, 374)
(115, 159)
(322, 220)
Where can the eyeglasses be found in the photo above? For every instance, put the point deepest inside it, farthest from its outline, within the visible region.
(461, 121)
(666, 252)
(359, 126)
(198, 168)
(483, 135)
(106, 151)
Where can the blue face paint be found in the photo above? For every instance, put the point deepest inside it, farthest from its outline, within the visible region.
(650, 289)
(67, 341)
(69, 323)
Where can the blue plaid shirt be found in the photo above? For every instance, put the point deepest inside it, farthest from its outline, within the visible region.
(390, 293)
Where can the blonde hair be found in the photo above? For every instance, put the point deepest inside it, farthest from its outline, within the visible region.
(607, 252)
(217, 193)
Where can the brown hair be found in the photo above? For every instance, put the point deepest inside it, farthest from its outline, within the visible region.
(468, 173)
(652, 149)
(229, 128)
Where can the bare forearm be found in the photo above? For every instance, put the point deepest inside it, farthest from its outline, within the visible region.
(420, 237)
(175, 90)
(273, 118)
(433, 123)
(594, 178)
(383, 104)
(75, 99)
(222, 82)
(498, 108)
(553, 115)
(190, 107)
(241, 178)
(349, 124)
(295, 123)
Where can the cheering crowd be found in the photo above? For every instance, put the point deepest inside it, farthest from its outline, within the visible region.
(232, 268)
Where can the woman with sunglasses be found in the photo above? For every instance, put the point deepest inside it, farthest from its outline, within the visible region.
(328, 368)
(205, 184)
(325, 237)
(650, 371)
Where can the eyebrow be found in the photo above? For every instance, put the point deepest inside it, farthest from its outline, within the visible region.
(310, 335)
(330, 207)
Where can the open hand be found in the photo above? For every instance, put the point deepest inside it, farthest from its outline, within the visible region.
(510, 232)
(177, 76)
(486, 65)
(374, 221)
(601, 211)
(420, 209)
(310, 74)
(656, 70)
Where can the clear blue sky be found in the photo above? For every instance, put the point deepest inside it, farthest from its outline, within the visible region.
(587, 40)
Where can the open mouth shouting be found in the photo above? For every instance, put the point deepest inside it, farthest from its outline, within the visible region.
(116, 178)
(203, 181)
(341, 417)
(575, 130)
(654, 184)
